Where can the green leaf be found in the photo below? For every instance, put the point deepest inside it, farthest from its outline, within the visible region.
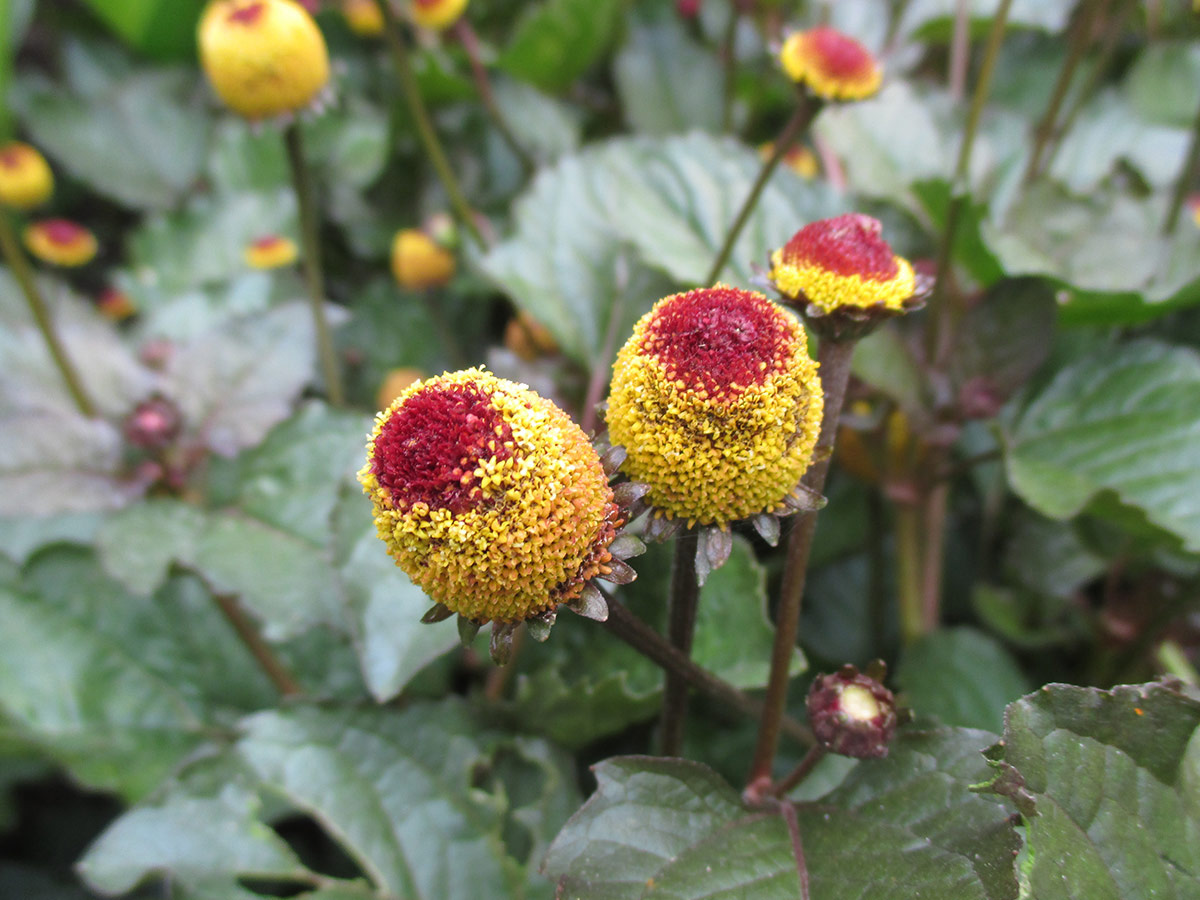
(1106, 782)
(901, 827)
(666, 81)
(1122, 424)
(962, 676)
(1049, 556)
(160, 28)
(556, 41)
(1162, 83)
(933, 18)
(549, 127)
(137, 546)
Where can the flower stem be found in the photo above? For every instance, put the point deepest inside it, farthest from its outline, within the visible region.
(946, 313)
(806, 110)
(729, 66)
(313, 276)
(23, 272)
(933, 556)
(470, 42)
(681, 626)
(960, 49)
(908, 566)
(425, 131)
(271, 665)
(1187, 177)
(648, 642)
(815, 754)
(834, 357)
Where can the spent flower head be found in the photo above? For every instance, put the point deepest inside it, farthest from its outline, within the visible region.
(25, 177)
(718, 406)
(852, 713)
(437, 14)
(61, 242)
(831, 65)
(492, 500)
(264, 58)
(272, 251)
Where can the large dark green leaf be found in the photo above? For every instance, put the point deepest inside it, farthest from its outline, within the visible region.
(1123, 424)
(1106, 781)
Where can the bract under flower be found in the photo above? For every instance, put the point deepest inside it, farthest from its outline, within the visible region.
(61, 242)
(263, 57)
(270, 252)
(830, 64)
(718, 405)
(25, 177)
(437, 14)
(489, 497)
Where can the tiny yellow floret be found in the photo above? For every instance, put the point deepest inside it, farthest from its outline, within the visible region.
(25, 177)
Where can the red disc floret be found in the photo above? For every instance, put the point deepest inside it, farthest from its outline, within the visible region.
(62, 231)
(427, 452)
(840, 56)
(246, 15)
(715, 338)
(845, 245)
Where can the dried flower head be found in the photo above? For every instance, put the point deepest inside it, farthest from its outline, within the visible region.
(61, 242)
(418, 262)
(263, 57)
(25, 177)
(363, 17)
(272, 251)
(490, 498)
(852, 714)
(718, 405)
(437, 14)
(830, 65)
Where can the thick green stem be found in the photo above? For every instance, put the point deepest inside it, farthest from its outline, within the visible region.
(1187, 179)
(271, 665)
(470, 42)
(908, 571)
(425, 130)
(806, 111)
(23, 272)
(681, 626)
(834, 357)
(313, 276)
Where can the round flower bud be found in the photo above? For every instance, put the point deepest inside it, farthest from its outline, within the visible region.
(363, 17)
(437, 14)
(154, 424)
(489, 497)
(262, 57)
(61, 242)
(418, 262)
(718, 405)
(852, 714)
(272, 251)
(830, 65)
(25, 177)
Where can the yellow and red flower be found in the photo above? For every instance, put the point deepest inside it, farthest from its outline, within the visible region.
(418, 262)
(271, 251)
(263, 57)
(718, 405)
(363, 17)
(25, 177)
(115, 305)
(832, 65)
(437, 14)
(61, 242)
(490, 498)
(1193, 204)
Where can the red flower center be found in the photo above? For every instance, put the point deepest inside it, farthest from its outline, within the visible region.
(62, 232)
(248, 14)
(427, 451)
(845, 245)
(266, 243)
(12, 158)
(716, 337)
(839, 55)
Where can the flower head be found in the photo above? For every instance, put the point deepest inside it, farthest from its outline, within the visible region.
(115, 304)
(437, 14)
(831, 65)
(271, 251)
(852, 713)
(363, 17)
(718, 405)
(489, 497)
(263, 57)
(61, 242)
(25, 177)
(418, 262)
(1193, 204)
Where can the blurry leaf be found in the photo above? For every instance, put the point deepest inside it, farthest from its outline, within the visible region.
(30, 883)
(1103, 780)
(574, 709)
(160, 28)
(138, 545)
(394, 788)
(933, 18)
(884, 360)
(838, 621)
(1124, 422)
(556, 41)
(1163, 84)
(549, 127)
(243, 157)
(22, 536)
(381, 308)
(962, 676)
(1049, 556)
(666, 81)
(969, 250)
(733, 634)
(178, 315)
(201, 842)
(901, 827)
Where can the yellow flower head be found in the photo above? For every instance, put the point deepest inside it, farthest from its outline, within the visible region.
(115, 305)
(263, 57)
(830, 64)
(272, 251)
(489, 497)
(61, 242)
(25, 177)
(718, 405)
(842, 262)
(363, 17)
(437, 14)
(418, 262)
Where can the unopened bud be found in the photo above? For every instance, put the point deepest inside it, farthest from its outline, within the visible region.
(852, 714)
(154, 424)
